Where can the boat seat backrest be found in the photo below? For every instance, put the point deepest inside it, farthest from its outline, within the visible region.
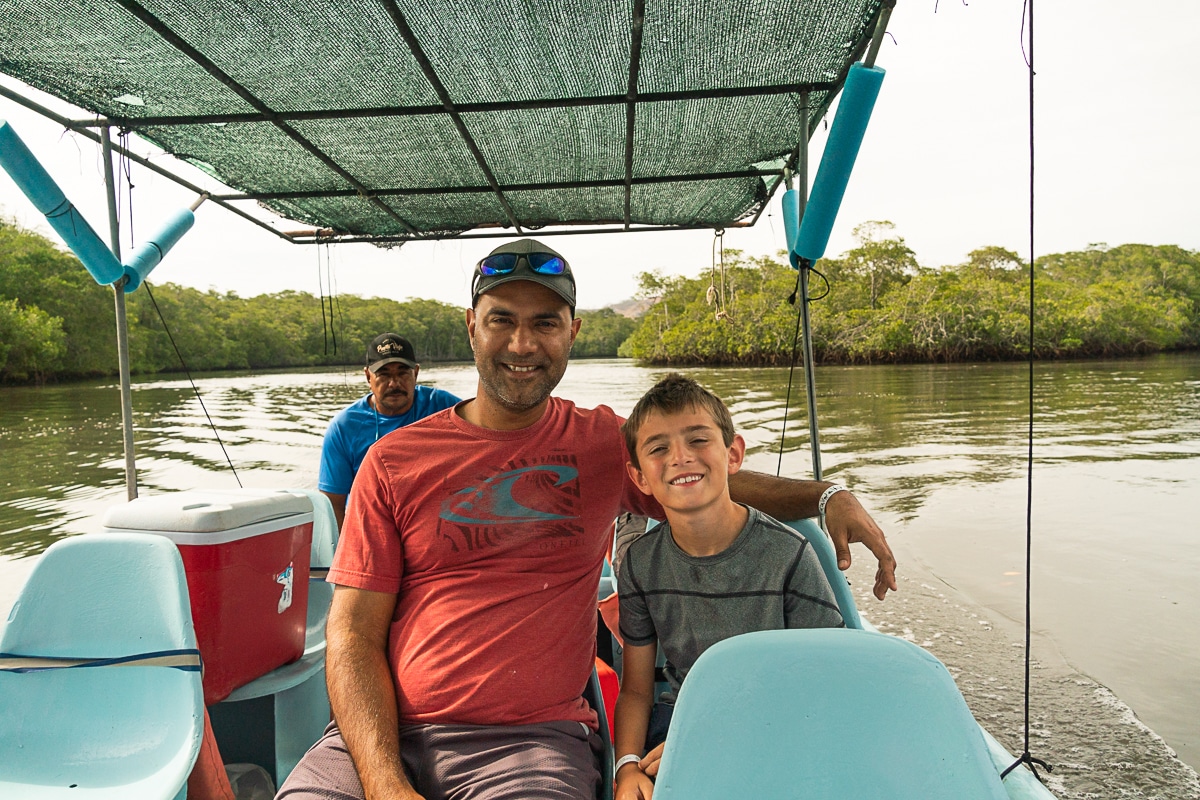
(102, 595)
(823, 713)
(325, 529)
(837, 579)
(324, 543)
(101, 731)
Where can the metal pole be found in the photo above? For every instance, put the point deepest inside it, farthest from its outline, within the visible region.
(810, 387)
(114, 233)
(885, 14)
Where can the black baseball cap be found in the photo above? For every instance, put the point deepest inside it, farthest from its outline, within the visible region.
(387, 348)
(534, 262)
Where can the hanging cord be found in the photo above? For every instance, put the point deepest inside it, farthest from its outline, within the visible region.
(795, 345)
(125, 168)
(321, 291)
(336, 316)
(787, 401)
(821, 296)
(195, 389)
(332, 294)
(1026, 757)
(335, 298)
(718, 295)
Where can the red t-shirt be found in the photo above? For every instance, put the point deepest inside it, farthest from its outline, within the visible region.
(494, 542)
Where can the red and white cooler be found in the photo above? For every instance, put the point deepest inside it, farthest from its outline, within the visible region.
(246, 554)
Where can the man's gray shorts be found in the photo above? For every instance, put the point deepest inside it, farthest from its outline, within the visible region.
(550, 761)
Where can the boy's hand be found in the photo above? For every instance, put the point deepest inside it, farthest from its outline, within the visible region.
(651, 760)
(847, 521)
(633, 783)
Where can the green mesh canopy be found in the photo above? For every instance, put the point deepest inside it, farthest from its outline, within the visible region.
(385, 120)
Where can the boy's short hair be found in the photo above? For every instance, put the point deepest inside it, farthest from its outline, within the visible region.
(671, 395)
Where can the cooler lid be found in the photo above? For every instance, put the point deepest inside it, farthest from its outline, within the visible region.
(201, 511)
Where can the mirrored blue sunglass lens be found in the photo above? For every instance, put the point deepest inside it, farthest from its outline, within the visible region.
(547, 264)
(499, 264)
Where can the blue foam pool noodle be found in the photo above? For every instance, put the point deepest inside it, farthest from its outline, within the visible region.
(62, 215)
(791, 217)
(841, 150)
(151, 252)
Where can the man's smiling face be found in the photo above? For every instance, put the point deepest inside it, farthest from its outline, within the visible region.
(521, 334)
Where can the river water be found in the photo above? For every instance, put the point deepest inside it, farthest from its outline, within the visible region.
(937, 453)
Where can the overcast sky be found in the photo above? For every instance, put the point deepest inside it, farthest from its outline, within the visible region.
(945, 158)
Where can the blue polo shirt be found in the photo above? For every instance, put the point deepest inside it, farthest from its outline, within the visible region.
(358, 426)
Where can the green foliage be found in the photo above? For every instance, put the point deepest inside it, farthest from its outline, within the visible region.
(286, 329)
(882, 306)
(1133, 298)
(56, 322)
(972, 312)
(876, 267)
(601, 333)
(39, 276)
(31, 341)
(746, 322)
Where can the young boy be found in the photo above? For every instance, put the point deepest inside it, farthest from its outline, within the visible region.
(713, 570)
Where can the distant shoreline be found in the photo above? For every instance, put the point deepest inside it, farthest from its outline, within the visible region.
(682, 363)
(355, 367)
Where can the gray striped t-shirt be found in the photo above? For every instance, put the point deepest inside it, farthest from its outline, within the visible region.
(768, 578)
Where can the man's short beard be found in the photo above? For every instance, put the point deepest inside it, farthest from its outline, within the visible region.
(510, 404)
(496, 389)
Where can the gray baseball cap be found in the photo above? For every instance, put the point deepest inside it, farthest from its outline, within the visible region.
(524, 260)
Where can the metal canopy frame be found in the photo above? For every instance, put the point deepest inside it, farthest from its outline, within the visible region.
(796, 160)
(376, 195)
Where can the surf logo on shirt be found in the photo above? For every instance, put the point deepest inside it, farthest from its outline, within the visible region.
(490, 511)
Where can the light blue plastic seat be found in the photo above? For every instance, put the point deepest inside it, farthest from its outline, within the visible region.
(608, 581)
(324, 543)
(826, 713)
(837, 579)
(102, 731)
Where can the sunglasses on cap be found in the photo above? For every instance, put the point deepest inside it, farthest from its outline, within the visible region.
(504, 263)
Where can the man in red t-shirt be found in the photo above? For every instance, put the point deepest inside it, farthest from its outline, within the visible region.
(462, 630)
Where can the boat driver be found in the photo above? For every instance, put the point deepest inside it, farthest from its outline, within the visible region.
(462, 630)
(395, 400)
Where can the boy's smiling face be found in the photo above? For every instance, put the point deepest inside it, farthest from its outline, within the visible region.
(683, 460)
